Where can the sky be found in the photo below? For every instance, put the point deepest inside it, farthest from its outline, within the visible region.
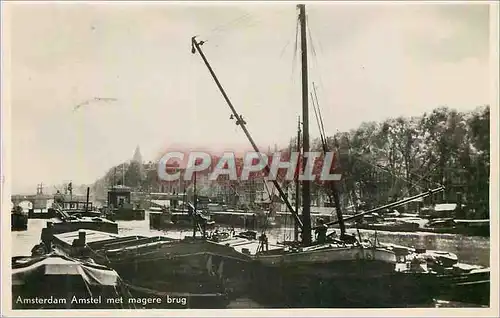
(369, 62)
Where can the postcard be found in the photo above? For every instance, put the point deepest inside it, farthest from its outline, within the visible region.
(249, 158)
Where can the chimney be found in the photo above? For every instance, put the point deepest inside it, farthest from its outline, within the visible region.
(81, 237)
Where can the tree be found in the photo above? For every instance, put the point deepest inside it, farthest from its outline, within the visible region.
(133, 175)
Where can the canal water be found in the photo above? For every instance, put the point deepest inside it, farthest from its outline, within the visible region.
(471, 250)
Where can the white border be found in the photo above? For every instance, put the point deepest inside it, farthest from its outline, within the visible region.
(420, 312)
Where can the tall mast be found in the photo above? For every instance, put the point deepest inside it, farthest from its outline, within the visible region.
(297, 185)
(195, 206)
(87, 200)
(306, 184)
(241, 122)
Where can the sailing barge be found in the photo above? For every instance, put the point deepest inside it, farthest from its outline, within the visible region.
(332, 271)
(204, 272)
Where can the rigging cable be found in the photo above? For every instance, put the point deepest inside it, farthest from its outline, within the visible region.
(246, 20)
(294, 61)
(284, 48)
(322, 127)
(221, 28)
(232, 25)
(314, 55)
(321, 135)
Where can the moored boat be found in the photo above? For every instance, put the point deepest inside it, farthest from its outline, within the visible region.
(62, 222)
(195, 267)
(456, 226)
(55, 281)
(451, 279)
(390, 226)
(165, 218)
(19, 219)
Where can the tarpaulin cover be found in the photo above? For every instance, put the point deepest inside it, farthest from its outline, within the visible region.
(28, 269)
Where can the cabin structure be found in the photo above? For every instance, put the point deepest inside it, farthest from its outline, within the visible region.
(120, 206)
(119, 196)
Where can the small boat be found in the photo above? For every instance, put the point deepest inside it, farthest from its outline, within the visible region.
(19, 219)
(390, 226)
(164, 218)
(456, 226)
(63, 222)
(469, 285)
(55, 281)
(451, 279)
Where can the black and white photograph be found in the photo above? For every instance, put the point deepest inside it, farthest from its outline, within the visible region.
(249, 156)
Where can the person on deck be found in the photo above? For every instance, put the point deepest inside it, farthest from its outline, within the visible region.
(320, 231)
(203, 222)
(47, 236)
(264, 242)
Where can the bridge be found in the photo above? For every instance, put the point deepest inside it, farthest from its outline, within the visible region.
(41, 201)
(38, 201)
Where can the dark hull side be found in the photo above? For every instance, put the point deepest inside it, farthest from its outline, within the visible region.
(90, 214)
(364, 284)
(358, 284)
(196, 268)
(164, 221)
(46, 214)
(71, 226)
(390, 228)
(175, 300)
(124, 214)
(19, 222)
(483, 231)
(470, 288)
(249, 221)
